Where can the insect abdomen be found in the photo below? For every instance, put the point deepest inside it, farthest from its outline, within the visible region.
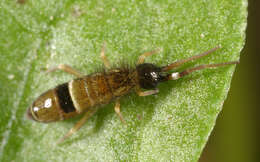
(80, 95)
(53, 105)
(99, 88)
(90, 91)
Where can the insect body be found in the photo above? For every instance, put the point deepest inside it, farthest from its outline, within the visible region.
(86, 93)
(81, 95)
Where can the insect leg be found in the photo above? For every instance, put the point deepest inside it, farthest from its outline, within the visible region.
(78, 125)
(146, 54)
(103, 57)
(65, 68)
(146, 93)
(117, 110)
(180, 62)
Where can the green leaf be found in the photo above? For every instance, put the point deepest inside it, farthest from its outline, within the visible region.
(171, 126)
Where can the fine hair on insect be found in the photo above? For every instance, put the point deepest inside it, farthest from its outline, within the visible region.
(87, 93)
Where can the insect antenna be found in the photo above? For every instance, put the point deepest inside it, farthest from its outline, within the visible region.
(177, 75)
(180, 62)
(200, 67)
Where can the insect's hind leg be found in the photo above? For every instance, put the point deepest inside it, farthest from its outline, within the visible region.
(103, 56)
(78, 125)
(65, 68)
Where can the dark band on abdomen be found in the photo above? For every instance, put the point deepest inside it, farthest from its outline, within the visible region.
(64, 98)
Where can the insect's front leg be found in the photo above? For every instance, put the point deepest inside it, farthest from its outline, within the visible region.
(146, 93)
(146, 54)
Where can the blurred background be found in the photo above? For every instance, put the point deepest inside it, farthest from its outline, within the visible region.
(235, 136)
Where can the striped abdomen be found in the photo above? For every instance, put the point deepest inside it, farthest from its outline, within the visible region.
(81, 95)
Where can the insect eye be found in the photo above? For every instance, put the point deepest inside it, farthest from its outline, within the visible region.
(154, 75)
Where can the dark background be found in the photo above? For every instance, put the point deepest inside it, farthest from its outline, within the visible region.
(235, 136)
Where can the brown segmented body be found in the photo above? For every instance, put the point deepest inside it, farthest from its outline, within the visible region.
(100, 88)
(83, 94)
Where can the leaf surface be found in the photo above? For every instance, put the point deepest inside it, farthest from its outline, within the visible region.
(173, 125)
